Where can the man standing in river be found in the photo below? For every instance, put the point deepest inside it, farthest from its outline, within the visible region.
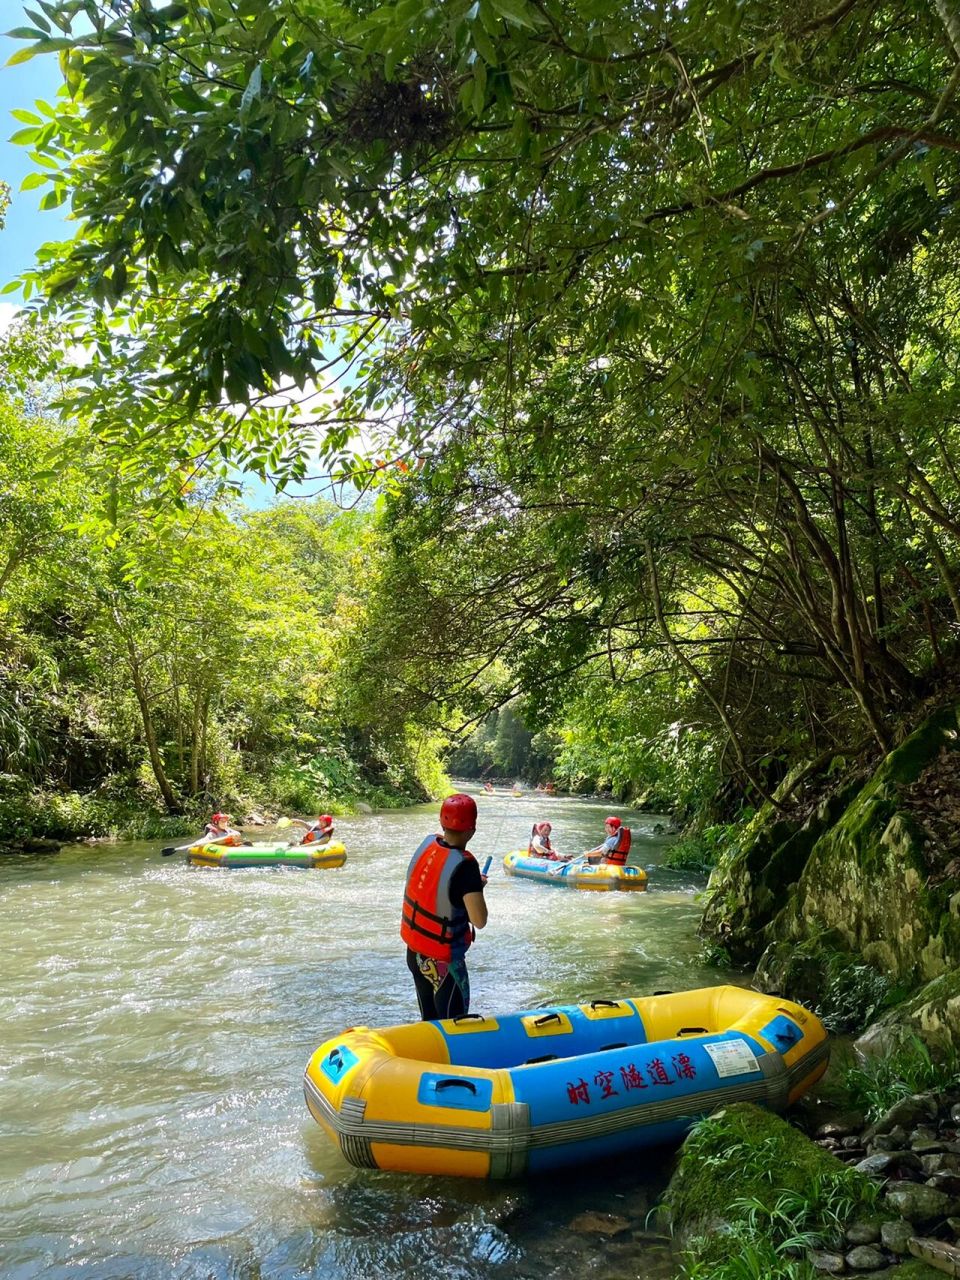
(443, 905)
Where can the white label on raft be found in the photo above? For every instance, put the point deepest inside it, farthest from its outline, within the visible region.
(732, 1057)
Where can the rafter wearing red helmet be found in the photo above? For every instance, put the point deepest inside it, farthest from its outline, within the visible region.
(443, 906)
(614, 849)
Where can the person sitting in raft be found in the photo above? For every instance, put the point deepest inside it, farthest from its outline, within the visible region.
(488, 788)
(443, 906)
(318, 832)
(613, 852)
(219, 831)
(540, 846)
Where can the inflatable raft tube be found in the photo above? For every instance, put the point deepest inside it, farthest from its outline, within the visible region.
(526, 1092)
(268, 855)
(581, 875)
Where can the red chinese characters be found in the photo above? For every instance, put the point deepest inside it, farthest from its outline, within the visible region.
(655, 1072)
(578, 1092)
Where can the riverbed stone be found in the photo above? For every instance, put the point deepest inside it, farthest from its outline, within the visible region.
(862, 1233)
(896, 1235)
(600, 1223)
(919, 1203)
(941, 1162)
(826, 1263)
(895, 1140)
(905, 1113)
(865, 1257)
(882, 1164)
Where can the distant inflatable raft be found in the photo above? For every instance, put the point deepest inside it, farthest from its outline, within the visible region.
(506, 1096)
(582, 875)
(316, 856)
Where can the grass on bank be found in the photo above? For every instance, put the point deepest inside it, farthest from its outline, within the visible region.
(751, 1195)
(910, 1068)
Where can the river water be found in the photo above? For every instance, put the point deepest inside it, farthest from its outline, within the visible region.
(155, 1021)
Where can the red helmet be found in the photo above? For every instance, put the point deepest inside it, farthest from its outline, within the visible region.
(459, 813)
(544, 828)
(614, 822)
(325, 820)
(220, 817)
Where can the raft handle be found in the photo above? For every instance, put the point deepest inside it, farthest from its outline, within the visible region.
(452, 1081)
(692, 1031)
(547, 1017)
(605, 1004)
(468, 1017)
(663, 993)
(335, 1057)
(547, 1057)
(620, 1044)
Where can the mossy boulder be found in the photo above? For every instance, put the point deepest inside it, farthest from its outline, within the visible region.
(742, 1161)
(932, 1013)
(746, 1181)
(750, 882)
(867, 881)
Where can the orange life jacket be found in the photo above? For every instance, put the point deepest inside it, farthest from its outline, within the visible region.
(617, 856)
(431, 925)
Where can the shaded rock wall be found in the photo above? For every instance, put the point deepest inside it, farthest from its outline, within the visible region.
(853, 880)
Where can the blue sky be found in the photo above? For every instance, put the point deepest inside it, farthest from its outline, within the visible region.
(28, 227)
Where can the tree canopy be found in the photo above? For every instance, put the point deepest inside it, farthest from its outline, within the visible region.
(651, 310)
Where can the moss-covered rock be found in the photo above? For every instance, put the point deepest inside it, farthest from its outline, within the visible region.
(867, 882)
(747, 1181)
(751, 880)
(846, 993)
(744, 1156)
(932, 1013)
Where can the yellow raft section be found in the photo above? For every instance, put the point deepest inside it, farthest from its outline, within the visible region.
(582, 875)
(268, 855)
(525, 1092)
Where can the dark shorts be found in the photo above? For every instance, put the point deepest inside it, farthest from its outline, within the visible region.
(443, 987)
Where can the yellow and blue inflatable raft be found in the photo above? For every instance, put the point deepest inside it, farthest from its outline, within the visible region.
(268, 855)
(500, 1097)
(573, 875)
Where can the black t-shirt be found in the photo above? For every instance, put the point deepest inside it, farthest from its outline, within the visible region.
(466, 879)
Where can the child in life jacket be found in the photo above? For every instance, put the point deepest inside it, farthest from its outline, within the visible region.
(613, 852)
(219, 831)
(443, 906)
(540, 845)
(318, 832)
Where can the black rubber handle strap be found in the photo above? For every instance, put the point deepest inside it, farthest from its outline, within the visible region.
(335, 1057)
(547, 1057)
(620, 1044)
(605, 1004)
(547, 1017)
(454, 1081)
(692, 1031)
(663, 993)
(468, 1017)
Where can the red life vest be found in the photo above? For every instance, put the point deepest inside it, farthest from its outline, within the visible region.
(315, 833)
(544, 840)
(431, 925)
(617, 856)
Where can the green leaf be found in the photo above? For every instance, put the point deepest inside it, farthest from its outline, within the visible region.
(25, 117)
(515, 11)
